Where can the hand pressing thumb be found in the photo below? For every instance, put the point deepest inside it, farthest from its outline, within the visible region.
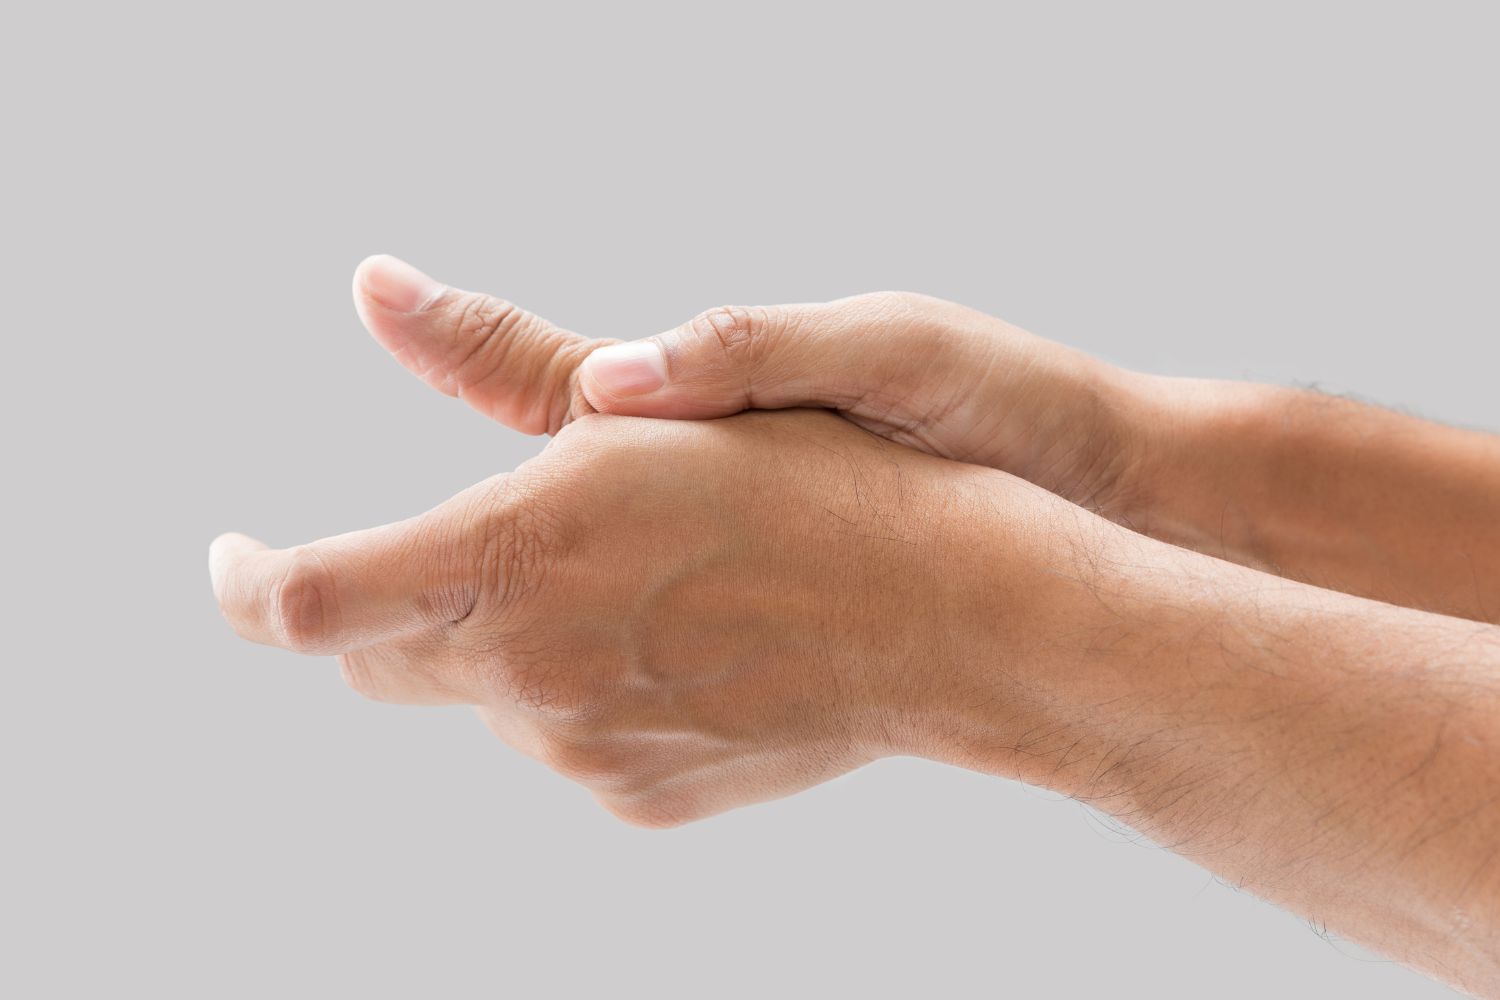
(727, 360)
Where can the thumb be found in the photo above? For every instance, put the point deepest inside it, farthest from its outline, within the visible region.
(507, 363)
(721, 362)
(882, 355)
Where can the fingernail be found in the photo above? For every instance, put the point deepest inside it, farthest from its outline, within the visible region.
(397, 285)
(628, 369)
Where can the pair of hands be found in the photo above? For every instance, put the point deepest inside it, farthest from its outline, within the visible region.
(689, 615)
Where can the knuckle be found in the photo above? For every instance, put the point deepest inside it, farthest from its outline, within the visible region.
(492, 336)
(483, 329)
(304, 605)
(495, 536)
(453, 592)
(740, 331)
(513, 533)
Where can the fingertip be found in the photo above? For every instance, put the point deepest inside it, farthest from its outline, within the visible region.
(226, 550)
(358, 283)
(236, 541)
(593, 393)
(393, 284)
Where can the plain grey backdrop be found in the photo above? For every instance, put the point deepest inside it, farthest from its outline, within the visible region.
(1292, 193)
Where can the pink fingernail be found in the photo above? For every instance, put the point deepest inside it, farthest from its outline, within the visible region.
(397, 285)
(628, 369)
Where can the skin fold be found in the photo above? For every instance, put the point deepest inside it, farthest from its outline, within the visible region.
(1255, 624)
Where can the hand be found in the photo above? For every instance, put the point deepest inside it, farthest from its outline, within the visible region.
(689, 616)
(919, 371)
(1271, 478)
(684, 616)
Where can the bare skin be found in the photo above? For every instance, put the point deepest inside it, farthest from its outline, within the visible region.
(1319, 489)
(688, 616)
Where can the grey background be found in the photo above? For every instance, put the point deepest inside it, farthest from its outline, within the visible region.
(1285, 192)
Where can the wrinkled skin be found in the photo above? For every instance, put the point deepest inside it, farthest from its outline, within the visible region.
(687, 614)
(917, 370)
(683, 616)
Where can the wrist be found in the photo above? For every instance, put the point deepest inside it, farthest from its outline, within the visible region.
(1041, 650)
(1091, 663)
(1200, 466)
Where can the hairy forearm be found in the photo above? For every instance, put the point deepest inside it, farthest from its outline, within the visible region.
(1338, 756)
(1323, 490)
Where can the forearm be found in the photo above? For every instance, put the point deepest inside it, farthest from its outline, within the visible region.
(1323, 490)
(1317, 489)
(1338, 756)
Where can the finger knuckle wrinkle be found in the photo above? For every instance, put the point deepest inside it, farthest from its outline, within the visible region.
(514, 540)
(737, 329)
(304, 606)
(485, 325)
